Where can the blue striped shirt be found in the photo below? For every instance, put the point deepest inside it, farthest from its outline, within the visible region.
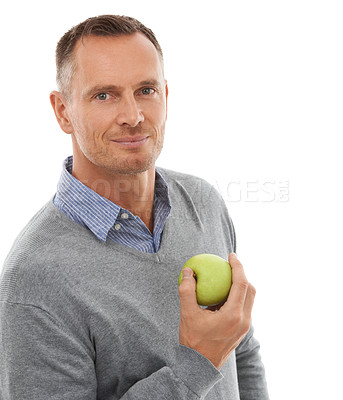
(108, 220)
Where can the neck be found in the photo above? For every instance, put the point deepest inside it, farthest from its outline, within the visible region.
(134, 192)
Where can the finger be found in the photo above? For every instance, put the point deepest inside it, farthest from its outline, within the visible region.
(249, 301)
(216, 307)
(239, 285)
(187, 291)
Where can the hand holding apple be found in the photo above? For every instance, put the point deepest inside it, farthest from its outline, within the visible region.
(215, 334)
(213, 276)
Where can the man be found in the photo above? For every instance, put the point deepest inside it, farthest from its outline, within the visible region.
(90, 307)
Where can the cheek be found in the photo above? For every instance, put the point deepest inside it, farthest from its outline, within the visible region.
(90, 125)
(97, 117)
(158, 117)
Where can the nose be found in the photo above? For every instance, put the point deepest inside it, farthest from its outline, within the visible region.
(129, 112)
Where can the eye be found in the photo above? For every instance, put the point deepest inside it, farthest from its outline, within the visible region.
(102, 96)
(147, 91)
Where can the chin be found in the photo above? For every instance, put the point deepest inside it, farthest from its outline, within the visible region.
(133, 167)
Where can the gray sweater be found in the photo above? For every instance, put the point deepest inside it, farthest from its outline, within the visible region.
(85, 320)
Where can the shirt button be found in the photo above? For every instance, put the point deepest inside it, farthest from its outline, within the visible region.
(117, 227)
(125, 215)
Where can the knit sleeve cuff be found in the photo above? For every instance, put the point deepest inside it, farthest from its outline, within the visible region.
(195, 370)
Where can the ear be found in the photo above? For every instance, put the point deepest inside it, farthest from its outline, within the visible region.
(60, 105)
(166, 90)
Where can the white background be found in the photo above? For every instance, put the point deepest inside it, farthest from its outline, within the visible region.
(255, 107)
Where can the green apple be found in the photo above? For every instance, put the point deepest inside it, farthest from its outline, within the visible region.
(213, 276)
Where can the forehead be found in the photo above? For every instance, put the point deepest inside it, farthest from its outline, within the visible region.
(123, 57)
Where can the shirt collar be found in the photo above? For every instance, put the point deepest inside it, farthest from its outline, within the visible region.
(96, 212)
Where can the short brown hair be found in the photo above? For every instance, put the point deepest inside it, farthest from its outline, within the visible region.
(103, 25)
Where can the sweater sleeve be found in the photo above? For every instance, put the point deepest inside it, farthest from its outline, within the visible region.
(40, 360)
(190, 378)
(250, 370)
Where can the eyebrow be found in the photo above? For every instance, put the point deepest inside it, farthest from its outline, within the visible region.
(115, 88)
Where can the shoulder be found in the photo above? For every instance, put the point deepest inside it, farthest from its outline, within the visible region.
(199, 197)
(175, 176)
(194, 187)
(43, 228)
(42, 240)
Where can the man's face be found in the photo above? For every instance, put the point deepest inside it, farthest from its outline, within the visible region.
(117, 108)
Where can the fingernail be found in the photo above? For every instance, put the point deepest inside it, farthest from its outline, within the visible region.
(187, 273)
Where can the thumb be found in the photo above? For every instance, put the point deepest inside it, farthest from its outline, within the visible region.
(187, 289)
(187, 273)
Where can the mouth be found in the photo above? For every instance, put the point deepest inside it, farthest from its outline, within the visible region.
(131, 141)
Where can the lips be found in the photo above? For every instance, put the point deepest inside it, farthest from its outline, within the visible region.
(131, 141)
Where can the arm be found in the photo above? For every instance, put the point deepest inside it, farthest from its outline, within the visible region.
(250, 370)
(40, 359)
(190, 378)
